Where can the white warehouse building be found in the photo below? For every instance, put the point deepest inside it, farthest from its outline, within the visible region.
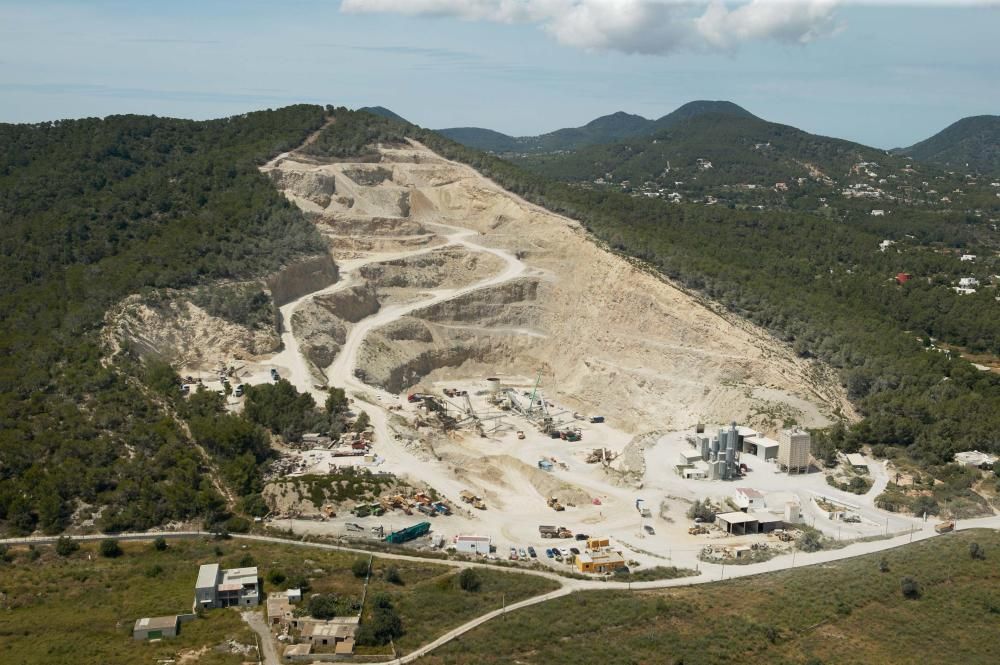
(472, 545)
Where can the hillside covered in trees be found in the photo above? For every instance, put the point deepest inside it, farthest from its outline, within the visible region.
(973, 141)
(94, 210)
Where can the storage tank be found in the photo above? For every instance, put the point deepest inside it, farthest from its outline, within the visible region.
(704, 448)
(493, 385)
(715, 447)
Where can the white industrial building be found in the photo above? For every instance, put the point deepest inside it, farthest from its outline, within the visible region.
(857, 461)
(472, 545)
(761, 446)
(226, 588)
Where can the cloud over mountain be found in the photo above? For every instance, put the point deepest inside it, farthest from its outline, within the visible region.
(652, 27)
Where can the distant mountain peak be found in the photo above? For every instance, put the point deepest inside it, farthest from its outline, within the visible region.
(702, 107)
(606, 129)
(974, 141)
(384, 112)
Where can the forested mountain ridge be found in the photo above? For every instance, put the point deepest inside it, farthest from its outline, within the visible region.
(972, 141)
(605, 129)
(94, 210)
(739, 149)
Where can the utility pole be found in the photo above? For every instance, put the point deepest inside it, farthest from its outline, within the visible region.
(503, 605)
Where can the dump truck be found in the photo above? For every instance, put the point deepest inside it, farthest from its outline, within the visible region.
(546, 531)
(409, 533)
(442, 508)
(361, 511)
(697, 530)
(944, 527)
(597, 419)
(471, 498)
(425, 509)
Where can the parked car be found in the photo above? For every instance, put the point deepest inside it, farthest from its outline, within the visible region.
(522, 554)
(574, 551)
(549, 553)
(239, 390)
(582, 536)
(513, 553)
(531, 553)
(564, 552)
(650, 530)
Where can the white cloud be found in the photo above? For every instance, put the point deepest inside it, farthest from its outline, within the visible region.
(637, 26)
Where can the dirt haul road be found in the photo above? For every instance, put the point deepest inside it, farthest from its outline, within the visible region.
(608, 336)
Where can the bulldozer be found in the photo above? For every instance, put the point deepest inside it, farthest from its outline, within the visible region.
(555, 505)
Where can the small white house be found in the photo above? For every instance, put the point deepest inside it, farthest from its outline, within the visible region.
(968, 282)
(472, 545)
(747, 498)
(968, 257)
(878, 213)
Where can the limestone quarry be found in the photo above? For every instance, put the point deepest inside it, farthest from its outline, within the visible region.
(443, 279)
(606, 334)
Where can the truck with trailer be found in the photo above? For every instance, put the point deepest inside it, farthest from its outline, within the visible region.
(408, 534)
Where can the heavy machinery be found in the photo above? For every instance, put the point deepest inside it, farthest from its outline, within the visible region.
(409, 533)
(554, 504)
(472, 499)
(944, 527)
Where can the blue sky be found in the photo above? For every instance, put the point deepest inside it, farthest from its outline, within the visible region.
(885, 75)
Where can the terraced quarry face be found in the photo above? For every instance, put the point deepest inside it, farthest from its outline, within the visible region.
(453, 277)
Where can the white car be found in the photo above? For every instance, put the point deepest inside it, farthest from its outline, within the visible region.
(564, 552)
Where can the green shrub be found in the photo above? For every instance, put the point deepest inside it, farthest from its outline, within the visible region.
(392, 576)
(323, 606)
(468, 580)
(110, 548)
(360, 568)
(910, 588)
(66, 546)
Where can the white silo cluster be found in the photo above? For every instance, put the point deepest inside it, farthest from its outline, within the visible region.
(721, 453)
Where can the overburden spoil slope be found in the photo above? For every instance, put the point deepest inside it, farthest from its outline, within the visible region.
(607, 334)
